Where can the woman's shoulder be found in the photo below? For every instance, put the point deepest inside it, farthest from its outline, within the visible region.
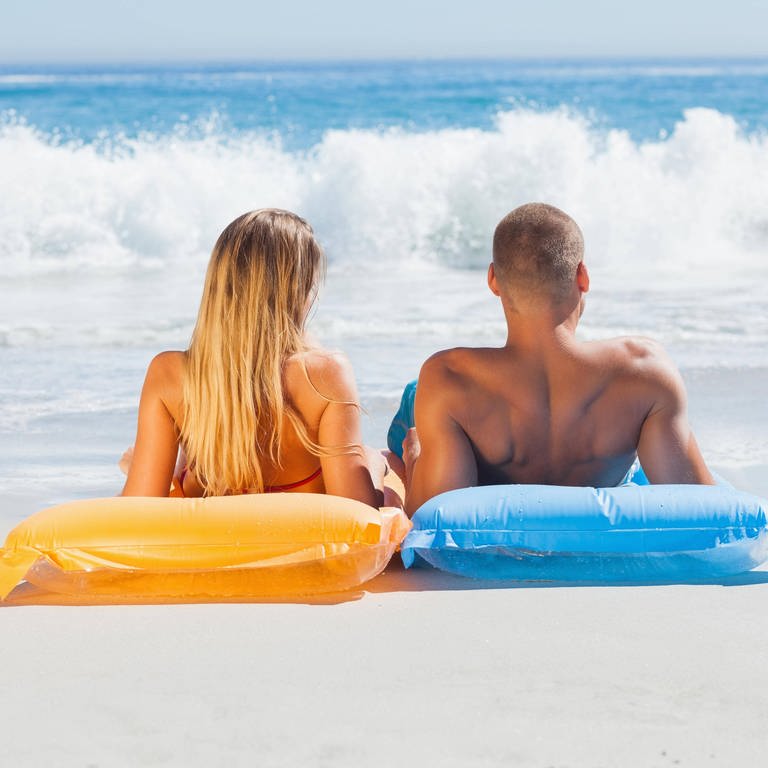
(327, 372)
(170, 363)
(165, 373)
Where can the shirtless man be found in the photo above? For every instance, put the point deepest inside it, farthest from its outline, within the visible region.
(547, 408)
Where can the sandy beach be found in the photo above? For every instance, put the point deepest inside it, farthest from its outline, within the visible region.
(421, 667)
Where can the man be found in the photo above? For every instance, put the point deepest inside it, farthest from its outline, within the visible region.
(547, 408)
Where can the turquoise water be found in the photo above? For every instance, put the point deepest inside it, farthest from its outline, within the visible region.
(117, 180)
(300, 102)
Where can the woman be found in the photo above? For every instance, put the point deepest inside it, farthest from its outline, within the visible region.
(252, 404)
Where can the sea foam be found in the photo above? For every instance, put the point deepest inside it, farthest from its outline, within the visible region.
(686, 204)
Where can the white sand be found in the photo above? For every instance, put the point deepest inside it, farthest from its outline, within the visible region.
(424, 668)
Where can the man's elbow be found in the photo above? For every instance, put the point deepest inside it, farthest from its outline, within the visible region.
(414, 498)
(411, 504)
(704, 477)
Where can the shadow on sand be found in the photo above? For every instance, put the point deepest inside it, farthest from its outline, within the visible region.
(394, 579)
(27, 594)
(425, 579)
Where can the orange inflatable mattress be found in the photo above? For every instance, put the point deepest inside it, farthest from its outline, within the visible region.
(233, 548)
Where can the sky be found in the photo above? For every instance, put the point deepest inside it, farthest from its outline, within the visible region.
(40, 31)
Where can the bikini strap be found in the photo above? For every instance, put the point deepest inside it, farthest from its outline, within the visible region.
(291, 486)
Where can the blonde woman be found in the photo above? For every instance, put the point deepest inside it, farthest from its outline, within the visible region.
(253, 405)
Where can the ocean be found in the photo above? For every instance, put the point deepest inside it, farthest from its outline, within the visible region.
(117, 180)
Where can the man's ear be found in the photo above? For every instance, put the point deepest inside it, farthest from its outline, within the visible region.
(582, 277)
(492, 284)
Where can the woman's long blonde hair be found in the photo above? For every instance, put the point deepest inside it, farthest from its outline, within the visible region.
(262, 279)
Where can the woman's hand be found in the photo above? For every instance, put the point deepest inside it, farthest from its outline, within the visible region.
(125, 460)
(411, 453)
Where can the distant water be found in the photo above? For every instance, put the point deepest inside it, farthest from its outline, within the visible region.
(117, 180)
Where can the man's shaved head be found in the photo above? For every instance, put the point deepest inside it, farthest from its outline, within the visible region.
(536, 250)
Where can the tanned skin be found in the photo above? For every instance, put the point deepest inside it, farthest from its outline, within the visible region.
(322, 388)
(547, 408)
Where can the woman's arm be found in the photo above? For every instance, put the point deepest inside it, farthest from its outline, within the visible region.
(357, 474)
(157, 437)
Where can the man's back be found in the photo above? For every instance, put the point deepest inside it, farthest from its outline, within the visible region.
(546, 408)
(572, 420)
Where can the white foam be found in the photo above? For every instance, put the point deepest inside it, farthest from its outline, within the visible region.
(388, 199)
(105, 243)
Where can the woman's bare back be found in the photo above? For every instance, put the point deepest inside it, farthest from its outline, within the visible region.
(320, 387)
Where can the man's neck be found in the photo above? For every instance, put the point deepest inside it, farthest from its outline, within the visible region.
(541, 333)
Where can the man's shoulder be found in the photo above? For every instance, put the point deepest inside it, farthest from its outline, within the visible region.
(454, 380)
(643, 361)
(636, 354)
(453, 365)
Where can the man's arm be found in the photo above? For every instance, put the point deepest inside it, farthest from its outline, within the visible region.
(667, 448)
(441, 459)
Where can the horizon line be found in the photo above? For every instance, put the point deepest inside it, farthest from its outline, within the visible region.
(396, 59)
